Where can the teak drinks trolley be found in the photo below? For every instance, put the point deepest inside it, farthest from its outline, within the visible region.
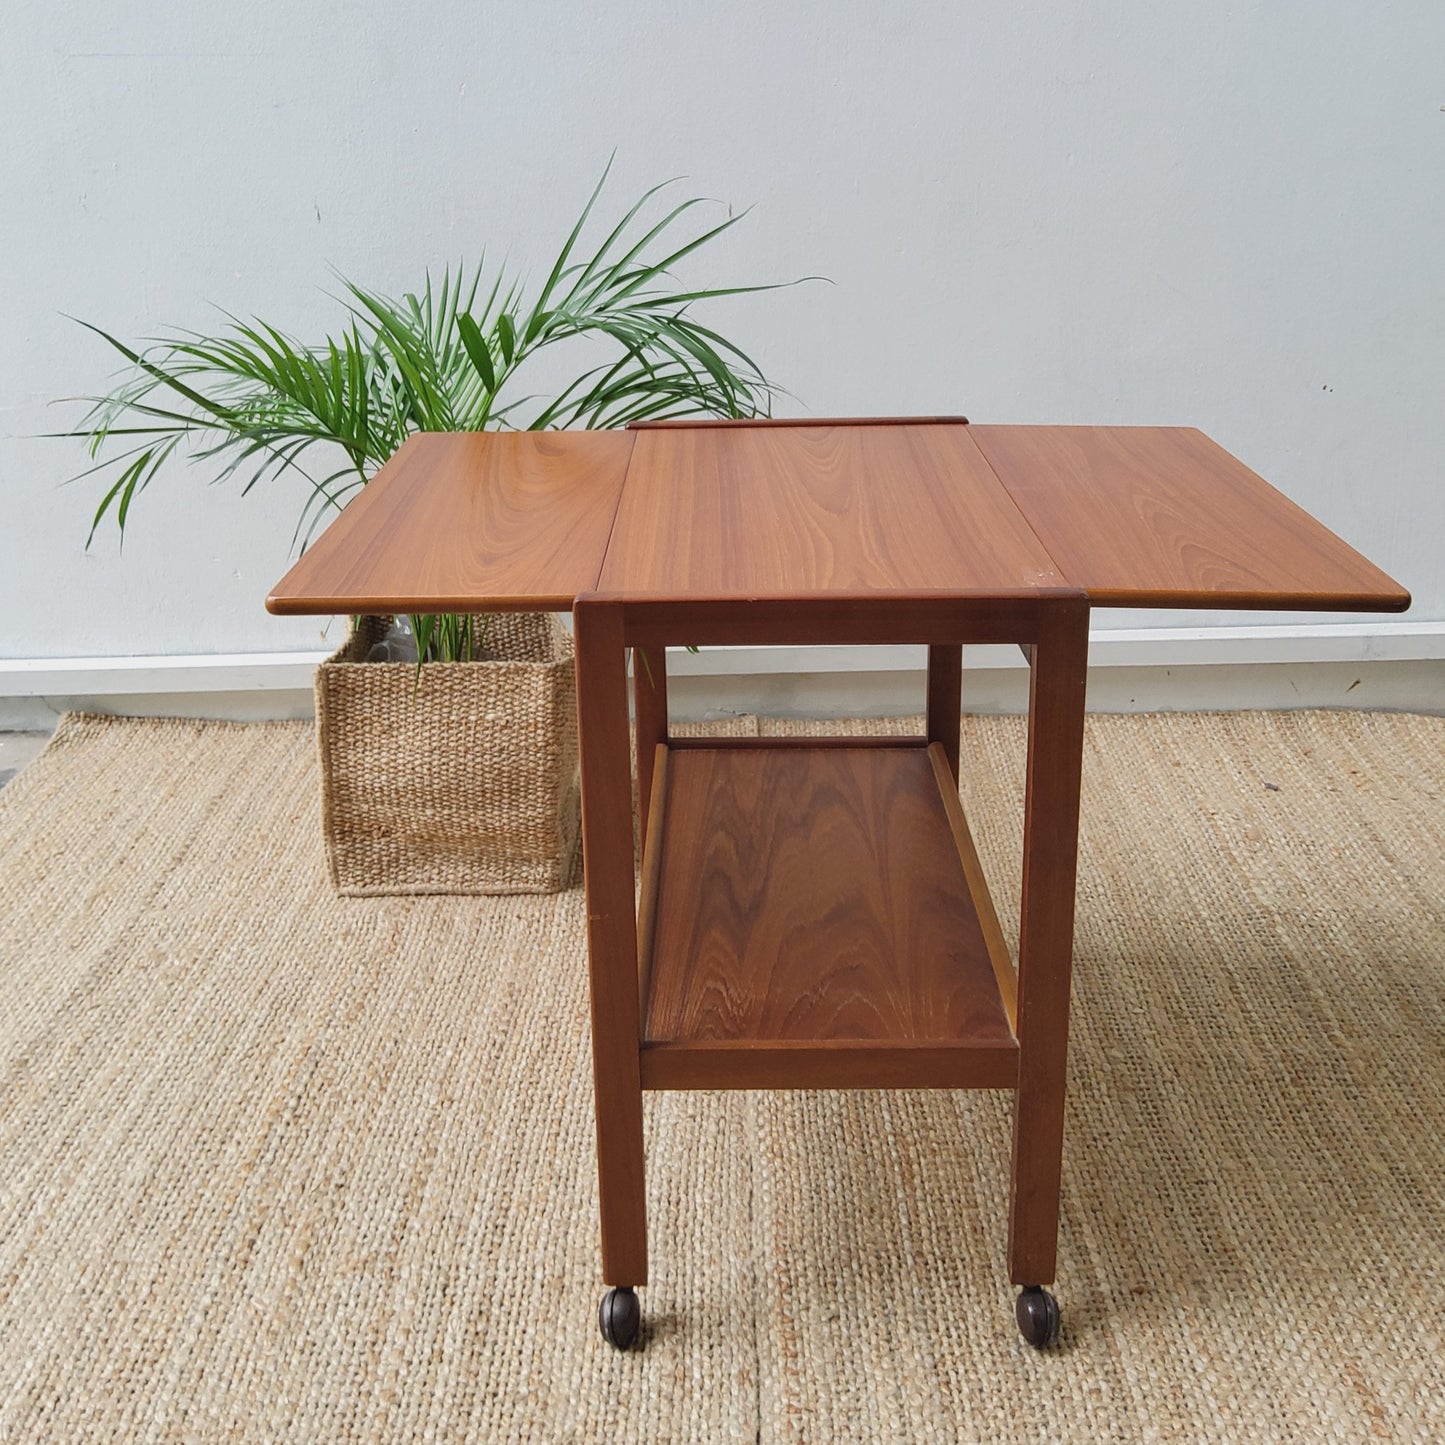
(812, 911)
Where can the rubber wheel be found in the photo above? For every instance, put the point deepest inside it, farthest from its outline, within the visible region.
(1037, 1312)
(619, 1317)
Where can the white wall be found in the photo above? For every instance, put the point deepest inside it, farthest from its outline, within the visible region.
(1227, 216)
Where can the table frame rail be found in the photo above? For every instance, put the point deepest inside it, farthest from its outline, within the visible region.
(1052, 627)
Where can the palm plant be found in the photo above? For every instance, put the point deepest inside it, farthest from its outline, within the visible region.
(258, 403)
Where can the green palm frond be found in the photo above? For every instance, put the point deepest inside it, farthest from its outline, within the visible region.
(255, 402)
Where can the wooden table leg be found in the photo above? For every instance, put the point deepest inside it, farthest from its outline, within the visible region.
(612, 952)
(945, 698)
(1051, 830)
(649, 707)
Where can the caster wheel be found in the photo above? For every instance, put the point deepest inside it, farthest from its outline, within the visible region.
(1037, 1312)
(619, 1317)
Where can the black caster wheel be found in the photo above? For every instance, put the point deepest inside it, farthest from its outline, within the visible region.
(1037, 1312)
(619, 1317)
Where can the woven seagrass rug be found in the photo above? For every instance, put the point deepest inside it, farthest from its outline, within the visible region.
(279, 1166)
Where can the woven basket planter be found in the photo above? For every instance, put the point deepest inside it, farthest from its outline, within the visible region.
(461, 781)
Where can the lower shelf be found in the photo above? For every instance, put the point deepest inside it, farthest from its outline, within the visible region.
(816, 918)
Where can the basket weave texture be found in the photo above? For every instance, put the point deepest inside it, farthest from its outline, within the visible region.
(460, 779)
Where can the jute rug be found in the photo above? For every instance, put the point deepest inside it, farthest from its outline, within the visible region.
(276, 1166)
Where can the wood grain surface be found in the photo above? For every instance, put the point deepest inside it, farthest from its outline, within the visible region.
(1164, 517)
(469, 521)
(649, 715)
(650, 834)
(1058, 681)
(945, 700)
(833, 1064)
(1004, 971)
(815, 896)
(612, 941)
(827, 618)
(786, 511)
(798, 421)
(1136, 516)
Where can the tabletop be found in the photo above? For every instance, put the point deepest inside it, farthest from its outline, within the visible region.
(1133, 516)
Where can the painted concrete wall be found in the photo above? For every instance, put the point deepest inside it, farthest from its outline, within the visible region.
(1089, 211)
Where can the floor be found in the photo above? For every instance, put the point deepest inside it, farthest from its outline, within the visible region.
(280, 1165)
(16, 749)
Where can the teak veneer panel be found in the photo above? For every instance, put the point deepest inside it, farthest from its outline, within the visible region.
(755, 421)
(1136, 516)
(1164, 517)
(814, 896)
(469, 521)
(789, 510)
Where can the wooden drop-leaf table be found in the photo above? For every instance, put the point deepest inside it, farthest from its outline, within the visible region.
(813, 913)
